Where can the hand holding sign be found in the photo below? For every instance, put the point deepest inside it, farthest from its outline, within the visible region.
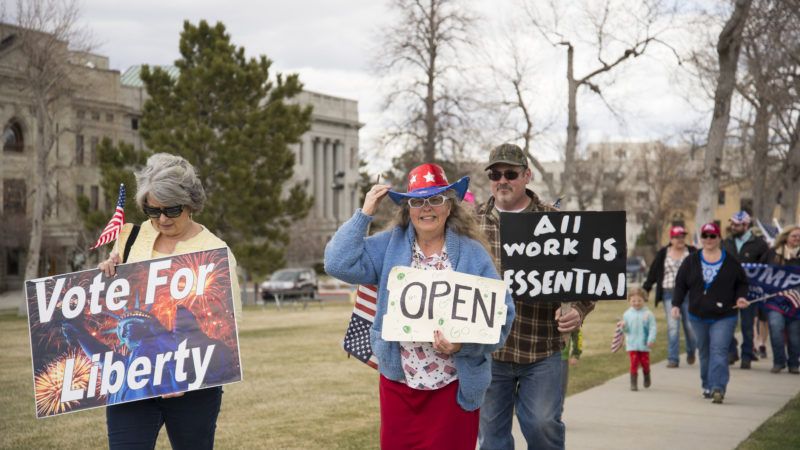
(465, 308)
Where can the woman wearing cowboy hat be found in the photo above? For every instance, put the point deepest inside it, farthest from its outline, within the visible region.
(420, 407)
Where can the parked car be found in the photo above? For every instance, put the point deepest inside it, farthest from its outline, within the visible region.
(291, 283)
(636, 268)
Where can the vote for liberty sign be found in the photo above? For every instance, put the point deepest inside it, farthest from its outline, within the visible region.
(467, 308)
(564, 256)
(158, 327)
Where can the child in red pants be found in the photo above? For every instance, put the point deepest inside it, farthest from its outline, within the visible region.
(639, 326)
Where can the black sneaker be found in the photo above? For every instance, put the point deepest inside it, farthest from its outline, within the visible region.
(794, 370)
(745, 364)
(732, 359)
(706, 393)
(717, 396)
(762, 352)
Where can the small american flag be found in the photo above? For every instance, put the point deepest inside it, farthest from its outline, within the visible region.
(792, 296)
(111, 231)
(356, 338)
(616, 341)
(557, 204)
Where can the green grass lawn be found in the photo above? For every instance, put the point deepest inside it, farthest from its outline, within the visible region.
(299, 390)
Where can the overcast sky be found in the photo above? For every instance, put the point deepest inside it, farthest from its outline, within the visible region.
(331, 43)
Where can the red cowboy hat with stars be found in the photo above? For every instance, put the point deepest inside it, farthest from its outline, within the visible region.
(428, 180)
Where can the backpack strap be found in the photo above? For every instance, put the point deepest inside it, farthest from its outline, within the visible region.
(129, 242)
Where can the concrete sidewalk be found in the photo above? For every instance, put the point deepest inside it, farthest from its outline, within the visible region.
(672, 413)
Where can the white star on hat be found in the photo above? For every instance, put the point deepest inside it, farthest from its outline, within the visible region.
(413, 179)
(429, 177)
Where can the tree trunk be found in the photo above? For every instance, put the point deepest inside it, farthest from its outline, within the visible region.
(763, 192)
(790, 193)
(730, 42)
(572, 126)
(44, 140)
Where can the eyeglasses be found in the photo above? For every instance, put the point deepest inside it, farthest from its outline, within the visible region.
(436, 200)
(709, 236)
(496, 175)
(170, 211)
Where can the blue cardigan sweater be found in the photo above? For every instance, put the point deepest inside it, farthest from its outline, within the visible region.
(355, 258)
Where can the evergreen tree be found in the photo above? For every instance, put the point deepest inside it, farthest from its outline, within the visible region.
(117, 165)
(226, 116)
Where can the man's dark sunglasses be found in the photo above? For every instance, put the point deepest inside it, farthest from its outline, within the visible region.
(708, 236)
(170, 211)
(510, 175)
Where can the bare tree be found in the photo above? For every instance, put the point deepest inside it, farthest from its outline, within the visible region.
(515, 111)
(43, 31)
(619, 31)
(768, 91)
(421, 55)
(728, 46)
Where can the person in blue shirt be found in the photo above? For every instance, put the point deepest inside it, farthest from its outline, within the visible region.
(717, 288)
(639, 325)
(430, 392)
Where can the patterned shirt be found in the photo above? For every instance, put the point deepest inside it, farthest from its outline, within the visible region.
(426, 369)
(671, 267)
(534, 333)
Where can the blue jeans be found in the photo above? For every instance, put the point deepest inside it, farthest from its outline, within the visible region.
(535, 391)
(673, 329)
(778, 324)
(713, 339)
(748, 320)
(191, 421)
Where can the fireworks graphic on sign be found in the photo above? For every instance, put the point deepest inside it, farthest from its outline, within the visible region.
(49, 381)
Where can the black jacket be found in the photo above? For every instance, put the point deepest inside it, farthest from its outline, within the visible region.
(719, 301)
(656, 273)
(753, 251)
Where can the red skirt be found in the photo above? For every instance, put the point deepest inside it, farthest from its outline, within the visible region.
(415, 419)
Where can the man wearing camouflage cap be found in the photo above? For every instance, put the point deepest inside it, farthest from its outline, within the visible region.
(526, 372)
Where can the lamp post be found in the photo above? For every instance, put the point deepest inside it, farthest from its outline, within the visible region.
(337, 186)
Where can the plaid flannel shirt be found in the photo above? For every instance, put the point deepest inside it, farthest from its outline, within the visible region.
(534, 333)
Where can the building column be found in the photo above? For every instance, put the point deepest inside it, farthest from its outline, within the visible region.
(328, 180)
(316, 170)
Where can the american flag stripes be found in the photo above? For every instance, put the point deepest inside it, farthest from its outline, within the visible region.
(111, 231)
(356, 338)
(793, 296)
(616, 341)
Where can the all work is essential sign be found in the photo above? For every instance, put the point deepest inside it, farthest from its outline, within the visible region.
(564, 256)
(467, 308)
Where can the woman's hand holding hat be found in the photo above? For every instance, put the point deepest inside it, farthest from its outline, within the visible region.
(374, 197)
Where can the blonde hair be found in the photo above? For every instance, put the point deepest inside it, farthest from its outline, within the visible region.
(637, 292)
(783, 236)
(461, 220)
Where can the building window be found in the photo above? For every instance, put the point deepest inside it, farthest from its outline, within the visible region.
(93, 150)
(13, 259)
(79, 149)
(721, 197)
(12, 138)
(95, 197)
(109, 117)
(78, 191)
(642, 217)
(14, 196)
(134, 123)
(96, 115)
(642, 196)
(81, 114)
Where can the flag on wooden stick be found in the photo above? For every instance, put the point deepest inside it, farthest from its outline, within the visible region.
(111, 231)
(356, 338)
(616, 341)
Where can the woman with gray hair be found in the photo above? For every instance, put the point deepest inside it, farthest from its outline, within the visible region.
(169, 192)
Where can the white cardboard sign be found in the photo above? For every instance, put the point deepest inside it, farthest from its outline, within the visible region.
(467, 308)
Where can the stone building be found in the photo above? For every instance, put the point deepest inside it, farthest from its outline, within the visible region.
(109, 104)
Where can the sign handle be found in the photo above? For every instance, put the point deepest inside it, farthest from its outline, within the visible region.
(566, 307)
